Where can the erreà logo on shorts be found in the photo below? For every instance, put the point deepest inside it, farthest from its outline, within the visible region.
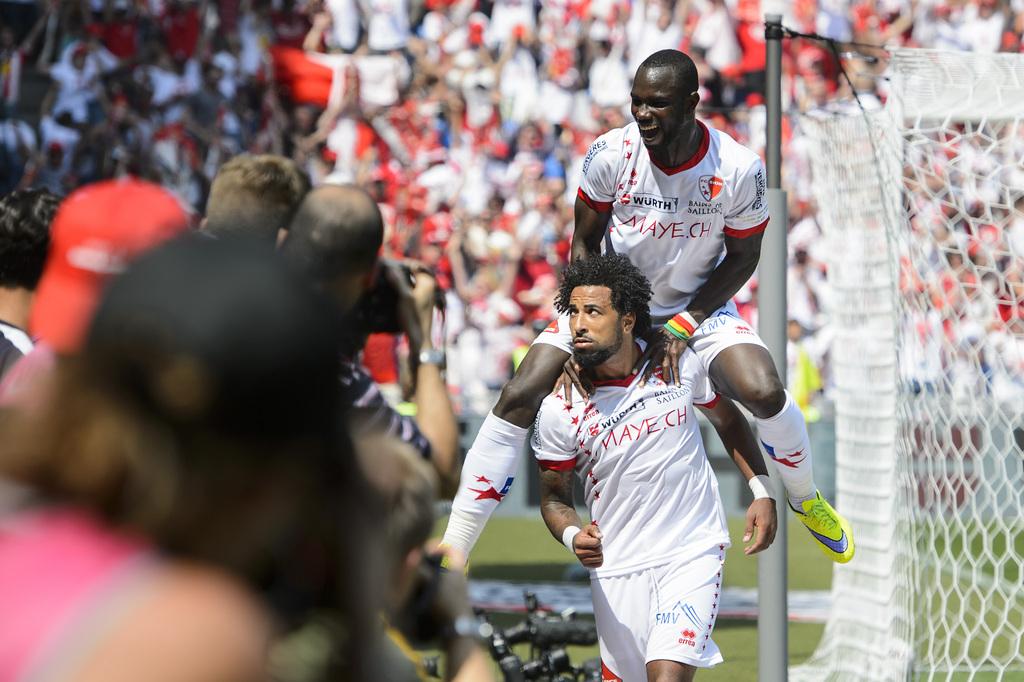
(710, 186)
(655, 201)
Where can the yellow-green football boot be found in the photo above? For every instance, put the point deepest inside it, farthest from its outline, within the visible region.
(832, 532)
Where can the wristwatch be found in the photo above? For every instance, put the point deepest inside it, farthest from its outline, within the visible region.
(434, 356)
(470, 627)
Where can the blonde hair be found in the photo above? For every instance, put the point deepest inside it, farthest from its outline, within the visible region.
(255, 196)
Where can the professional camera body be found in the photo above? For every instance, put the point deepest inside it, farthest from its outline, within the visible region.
(547, 634)
(377, 310)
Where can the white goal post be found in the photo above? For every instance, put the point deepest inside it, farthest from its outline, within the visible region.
(921, 204)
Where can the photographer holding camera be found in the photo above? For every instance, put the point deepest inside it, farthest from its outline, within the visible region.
(425, 604)
(335, 237)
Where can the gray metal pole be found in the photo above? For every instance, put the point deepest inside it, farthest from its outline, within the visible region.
(772, 619)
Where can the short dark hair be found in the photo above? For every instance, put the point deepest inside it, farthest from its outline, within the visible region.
(680, 63)
(631, 292)
(25, 217)
(337, 229)
(254, 196)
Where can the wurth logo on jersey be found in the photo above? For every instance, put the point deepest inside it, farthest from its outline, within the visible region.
(615, 418)
(652, 201)
(684, 229)
(710, 186)
(646, 427)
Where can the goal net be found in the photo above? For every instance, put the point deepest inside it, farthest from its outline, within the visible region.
(921, 206)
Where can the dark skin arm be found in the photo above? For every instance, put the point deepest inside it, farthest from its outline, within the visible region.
(734, 431)
(740, 262)
(586, 242)
(557, 509)
(589, 230)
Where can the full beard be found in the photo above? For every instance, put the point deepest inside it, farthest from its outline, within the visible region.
(595, 357)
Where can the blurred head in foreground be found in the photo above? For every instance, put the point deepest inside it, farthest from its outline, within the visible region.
(254, 196)
(335, 238)
(98, 230)
(201, 415)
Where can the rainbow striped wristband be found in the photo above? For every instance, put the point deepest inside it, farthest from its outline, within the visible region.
(682, 325)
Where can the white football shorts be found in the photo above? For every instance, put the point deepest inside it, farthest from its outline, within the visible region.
(721, 330)
(662, 613)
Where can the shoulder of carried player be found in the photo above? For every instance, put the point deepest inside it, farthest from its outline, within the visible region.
(731, 152)
(556, 416)
(614, 140)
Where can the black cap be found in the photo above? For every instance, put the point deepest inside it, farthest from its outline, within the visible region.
(220, 335)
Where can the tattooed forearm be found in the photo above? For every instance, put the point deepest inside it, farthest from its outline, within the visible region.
(556, 505)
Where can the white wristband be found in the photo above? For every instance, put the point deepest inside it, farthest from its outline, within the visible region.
(758, 487)
(567, 536)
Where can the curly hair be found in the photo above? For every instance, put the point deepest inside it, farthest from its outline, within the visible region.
(25, 217)
(631, 292)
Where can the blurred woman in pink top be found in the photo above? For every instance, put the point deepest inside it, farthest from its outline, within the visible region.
(181, 496)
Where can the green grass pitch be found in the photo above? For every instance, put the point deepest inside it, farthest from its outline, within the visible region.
(521, 549)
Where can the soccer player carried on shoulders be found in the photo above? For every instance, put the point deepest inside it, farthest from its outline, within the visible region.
(657, 537)
(686, 204)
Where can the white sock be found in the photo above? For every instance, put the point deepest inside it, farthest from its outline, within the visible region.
(487, 475)
(784, 438)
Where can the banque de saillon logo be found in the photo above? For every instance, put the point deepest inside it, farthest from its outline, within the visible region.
(710, 186)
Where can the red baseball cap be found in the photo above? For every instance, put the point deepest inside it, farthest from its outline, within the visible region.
(97, 231)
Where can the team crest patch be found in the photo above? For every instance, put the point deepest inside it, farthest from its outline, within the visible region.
(710, 186)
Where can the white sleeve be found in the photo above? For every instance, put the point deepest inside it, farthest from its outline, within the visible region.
(552, 442)
(600, 171)
(748, 214)
(703, 393)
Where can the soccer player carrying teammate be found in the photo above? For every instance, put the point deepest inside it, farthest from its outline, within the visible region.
(686, 204)
(658, 534)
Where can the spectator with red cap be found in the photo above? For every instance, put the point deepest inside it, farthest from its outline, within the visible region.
(97, 231)
(154, 505)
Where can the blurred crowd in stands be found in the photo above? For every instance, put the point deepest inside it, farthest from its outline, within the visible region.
(467, 120)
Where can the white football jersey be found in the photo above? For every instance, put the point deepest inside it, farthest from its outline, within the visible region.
(639, 454)
(672, 222)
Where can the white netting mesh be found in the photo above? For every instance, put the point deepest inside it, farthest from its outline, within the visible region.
(926, 233)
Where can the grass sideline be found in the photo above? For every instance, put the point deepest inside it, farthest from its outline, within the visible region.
(521, 549)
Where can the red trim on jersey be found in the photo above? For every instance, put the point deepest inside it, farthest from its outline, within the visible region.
(599, 206)
(714, 401)
(557, 464)
(621, 383)
(607, 675)
(697, 157)
(741, 234)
